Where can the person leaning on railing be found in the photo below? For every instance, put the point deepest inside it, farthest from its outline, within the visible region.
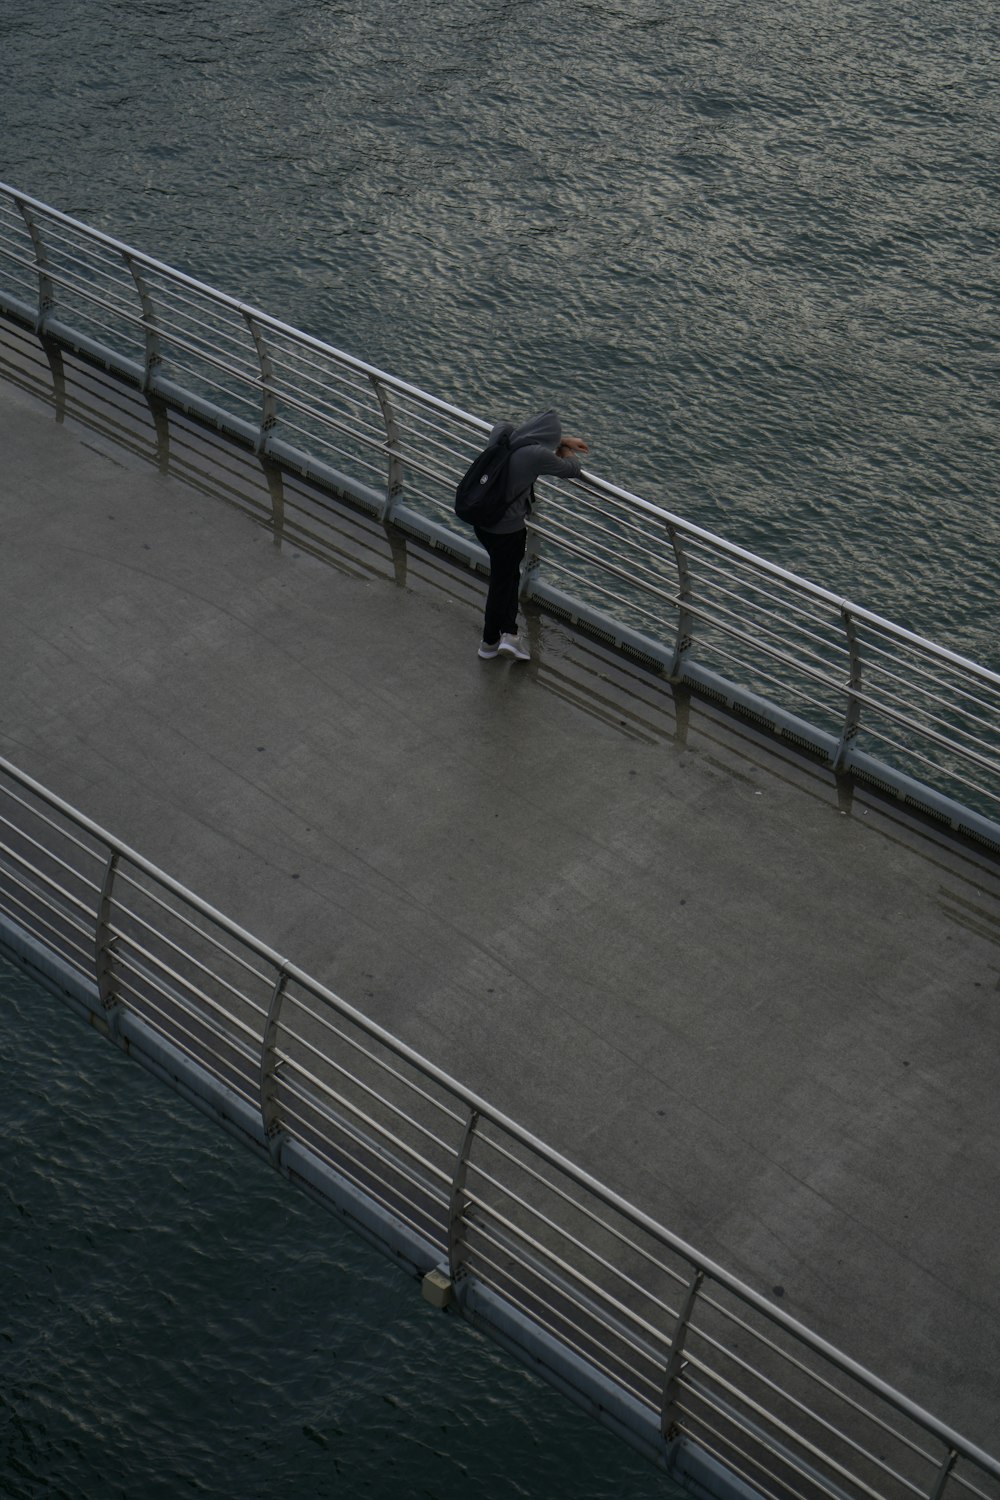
(537, 447)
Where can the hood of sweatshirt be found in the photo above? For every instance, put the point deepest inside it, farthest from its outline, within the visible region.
(545, 429)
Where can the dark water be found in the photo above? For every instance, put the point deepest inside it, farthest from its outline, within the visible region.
(175, 1319)
(750, 249)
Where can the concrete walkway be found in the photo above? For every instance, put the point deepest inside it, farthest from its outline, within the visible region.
(765, 1011)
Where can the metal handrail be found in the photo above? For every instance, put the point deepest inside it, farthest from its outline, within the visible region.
(374, 1138)
(697, 589)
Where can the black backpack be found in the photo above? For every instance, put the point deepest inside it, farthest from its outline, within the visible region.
(481, 496)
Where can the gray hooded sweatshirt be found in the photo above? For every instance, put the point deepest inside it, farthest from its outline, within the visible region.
(533, 453)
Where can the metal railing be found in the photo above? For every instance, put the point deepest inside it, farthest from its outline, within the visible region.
(871, 698)
(676, 1353)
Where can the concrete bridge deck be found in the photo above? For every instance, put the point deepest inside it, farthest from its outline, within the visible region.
(764, 1008)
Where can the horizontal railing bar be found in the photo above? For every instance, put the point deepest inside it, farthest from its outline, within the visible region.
(763, 630)
(371, 438)
(441, 446)
(467, 431)
(330, 385)
(133, 977)
(327, 446)
(397, 1113)
(842, 1396)
(688, 530)
(227, 1071)
(591, 587)
(247, 397)
(924, 650)
(171, 311)
(716, 1378)
(833, 636)
(965, 714)
(576, 1276)
(956, 1477)
(725, 1446)
(505, 1279)
(909, 753)
(792, 1459)
(123, 939)
(172, 339)
(400, 1173)
(483, 1139)
(253, 1005)
(201, 907)
(709, 562)
(18, 242)
(735, 633)
(174, 1032)
(588, 1346)
(951, 686)
(171, 290)
(812, 1375)
(385, 1193)
(181, 279)
(61, 921)
(659, 572)
(25, 864)
(658, 592)
(21, 274)
(772, 1423)
(226, 351)
(112, 271)
(653, 624)
(292, 999)
(416, 465)
(718, 651)
(286, 391)
(23, 255)
(294, 1066)
(472, 1166)
(967, 737)
(639, 572)
(32, 915)
(294, 357)
(126, 313)
(446, 516)
(394, 1175)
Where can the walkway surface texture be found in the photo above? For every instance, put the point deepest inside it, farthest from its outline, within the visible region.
(765, 1011)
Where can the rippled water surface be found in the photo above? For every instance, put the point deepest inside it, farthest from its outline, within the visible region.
(749, 248)
(177, 1320)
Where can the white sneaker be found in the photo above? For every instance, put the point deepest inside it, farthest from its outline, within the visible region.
(514, 647)
(487, 652)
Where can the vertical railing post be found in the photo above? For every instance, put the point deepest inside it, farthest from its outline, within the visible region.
(104, 948)
(942, 1476)
(457, 1206)
(268, 396)
(152, 354)
(852, 713)
(394, 475)
(675, 1364)
(685, 619)
(269, 1113)
(46, 288)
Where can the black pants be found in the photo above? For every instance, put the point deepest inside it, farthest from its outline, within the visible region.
(506, 550)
